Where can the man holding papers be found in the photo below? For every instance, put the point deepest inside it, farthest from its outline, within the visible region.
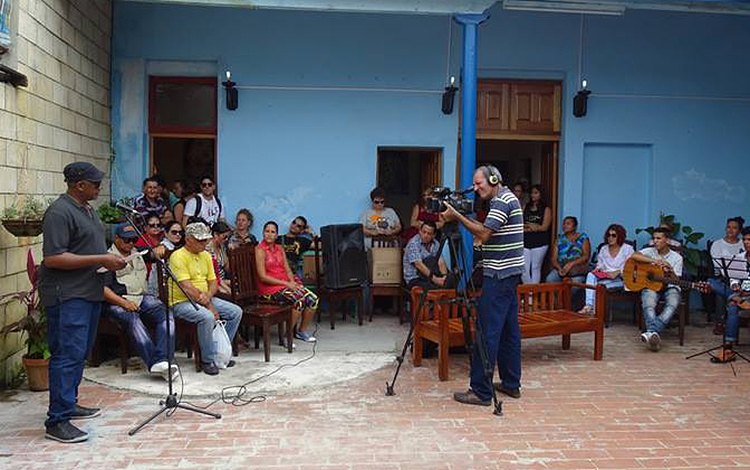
(127, 301)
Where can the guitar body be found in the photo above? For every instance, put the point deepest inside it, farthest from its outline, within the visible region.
(638, 276)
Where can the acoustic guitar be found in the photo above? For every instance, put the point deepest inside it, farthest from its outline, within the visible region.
(638, 275)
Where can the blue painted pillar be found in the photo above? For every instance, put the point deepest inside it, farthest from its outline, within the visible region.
(470, 22)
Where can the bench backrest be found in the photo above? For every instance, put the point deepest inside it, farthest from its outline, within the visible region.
(543, 297)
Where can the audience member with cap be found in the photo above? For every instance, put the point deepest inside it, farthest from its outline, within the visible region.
(71, 292)
(129, 303)
(194, 270)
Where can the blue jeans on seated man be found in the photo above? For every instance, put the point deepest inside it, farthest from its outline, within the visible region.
(71, 330)
(649, 299)
(722, 291)
(151, 312)
(732, 328)
(204, 318)
(498, 316)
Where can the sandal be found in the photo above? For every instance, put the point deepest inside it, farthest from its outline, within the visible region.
(726, 355)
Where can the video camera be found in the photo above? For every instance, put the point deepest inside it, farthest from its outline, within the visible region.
(456, 199)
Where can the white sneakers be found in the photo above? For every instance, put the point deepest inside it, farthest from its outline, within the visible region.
(160, 368)
(652, 340)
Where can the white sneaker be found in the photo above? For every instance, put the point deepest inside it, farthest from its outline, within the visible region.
(645, 336)
(160, 368)
(654, 341)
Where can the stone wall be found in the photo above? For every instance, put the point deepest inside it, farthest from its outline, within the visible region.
(63, 47)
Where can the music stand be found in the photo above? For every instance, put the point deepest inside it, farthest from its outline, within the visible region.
(725, 268)
(170, 404)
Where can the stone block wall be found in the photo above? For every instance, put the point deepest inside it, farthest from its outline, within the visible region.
(63, 47)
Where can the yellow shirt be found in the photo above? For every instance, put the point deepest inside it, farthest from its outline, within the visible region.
(187, 266)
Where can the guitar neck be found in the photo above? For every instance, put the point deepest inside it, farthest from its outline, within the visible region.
(675, 282)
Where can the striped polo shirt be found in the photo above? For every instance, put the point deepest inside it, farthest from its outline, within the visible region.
(503, 253)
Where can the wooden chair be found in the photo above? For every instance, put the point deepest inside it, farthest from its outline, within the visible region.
(109, 327)
(335, 297)
(395, 291)
(261, 316)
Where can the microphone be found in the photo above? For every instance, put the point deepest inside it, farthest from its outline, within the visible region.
(125, 208)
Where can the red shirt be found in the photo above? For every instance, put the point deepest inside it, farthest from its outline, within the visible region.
(275, 268)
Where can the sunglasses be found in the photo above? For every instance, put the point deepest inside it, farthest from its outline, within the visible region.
(154, 225)
(206, 185)
(177, 232)
(95, 184)
(130, 240)
(612, 235)
(378, 201)
(299, 226)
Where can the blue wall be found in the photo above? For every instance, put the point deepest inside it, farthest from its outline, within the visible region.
(656, 78)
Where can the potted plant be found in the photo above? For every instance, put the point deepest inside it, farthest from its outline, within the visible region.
(24, 218)
(34, 324)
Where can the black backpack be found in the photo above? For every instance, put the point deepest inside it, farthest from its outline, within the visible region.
(199, 204)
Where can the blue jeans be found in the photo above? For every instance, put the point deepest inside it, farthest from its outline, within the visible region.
(71, 330)
(151, 312)
(498, 318)
(649, 299)
(204, 318)
(732, 327)
(721, 291)
(593, 280)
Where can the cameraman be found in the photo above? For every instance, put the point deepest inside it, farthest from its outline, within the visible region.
(501, 236)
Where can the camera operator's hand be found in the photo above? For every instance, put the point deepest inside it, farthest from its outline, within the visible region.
(449, 214)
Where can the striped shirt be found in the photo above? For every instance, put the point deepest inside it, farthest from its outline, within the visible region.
(503, 253)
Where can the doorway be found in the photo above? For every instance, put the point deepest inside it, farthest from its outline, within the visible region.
(183, 158)
(404, 173)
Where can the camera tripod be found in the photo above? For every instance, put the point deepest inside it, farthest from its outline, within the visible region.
(464, 285)
(171, 403)
(725, 268)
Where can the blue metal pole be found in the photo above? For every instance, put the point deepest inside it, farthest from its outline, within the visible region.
(470, 22)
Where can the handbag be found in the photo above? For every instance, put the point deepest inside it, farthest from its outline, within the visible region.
(222, 345)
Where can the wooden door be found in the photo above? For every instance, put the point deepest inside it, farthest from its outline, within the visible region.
(550, 185)
(430, 170)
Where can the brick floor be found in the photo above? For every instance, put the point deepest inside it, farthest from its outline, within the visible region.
(633, 410)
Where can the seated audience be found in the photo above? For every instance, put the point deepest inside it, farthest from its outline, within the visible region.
(422, 267)
(150, 203)
(570, 255)
(174, 238)
(738, 300)
(218, 250)
(205, 205)
(724, 249)
(419, 214)
(194, 270)
(276, 282)
(537, 218)
(241, 234)
(379, 220)
(186, 193)
(152, 236)
(298, 240)
(127, 301)
(610, 260)
(671, 262)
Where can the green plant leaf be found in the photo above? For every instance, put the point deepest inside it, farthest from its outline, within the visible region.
(687, 230)
(694, 237)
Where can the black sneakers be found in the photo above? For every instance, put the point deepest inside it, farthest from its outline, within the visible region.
(511, 392)
(470, 398)
(66, 433)
(210, 369)
(83, 412)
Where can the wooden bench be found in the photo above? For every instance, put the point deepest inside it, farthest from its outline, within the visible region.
(543, 310)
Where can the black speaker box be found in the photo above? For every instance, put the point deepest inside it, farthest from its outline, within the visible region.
(344, 253)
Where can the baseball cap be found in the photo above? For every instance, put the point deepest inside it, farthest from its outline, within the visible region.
(82, 171)
(125, 230)
(198, 230)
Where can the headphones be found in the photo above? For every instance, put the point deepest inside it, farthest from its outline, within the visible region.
(492, 175)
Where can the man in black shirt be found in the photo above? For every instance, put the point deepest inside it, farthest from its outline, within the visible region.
(297, 241)
(71, 291)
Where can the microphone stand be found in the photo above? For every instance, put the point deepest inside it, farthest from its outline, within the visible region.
(170, 404)
(725, 268)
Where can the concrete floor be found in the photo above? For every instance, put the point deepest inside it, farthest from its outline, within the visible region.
(342, 354)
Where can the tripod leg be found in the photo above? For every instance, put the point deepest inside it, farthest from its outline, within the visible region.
(144, 423)
(198, 410)
(409, 337)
